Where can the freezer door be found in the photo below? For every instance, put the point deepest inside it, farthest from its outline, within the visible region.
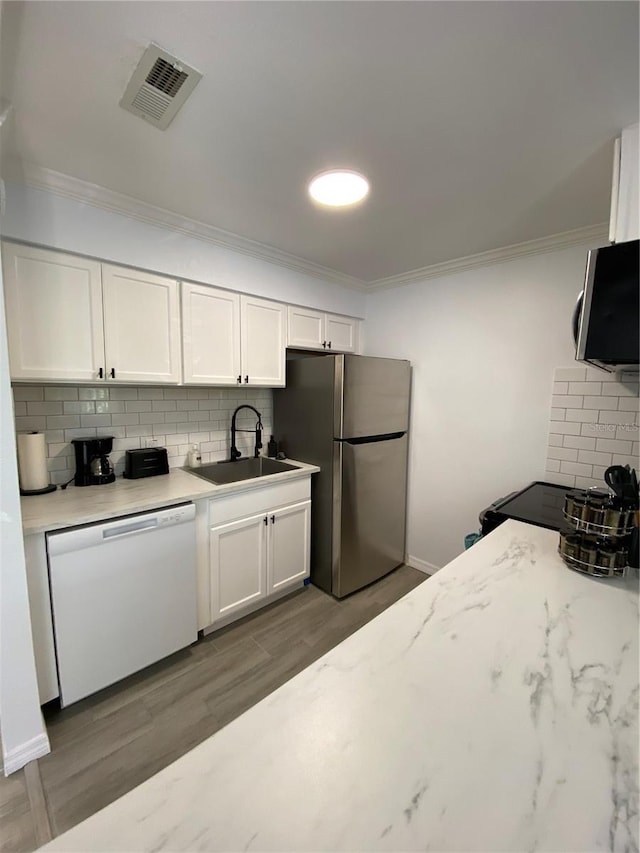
(369, 521)
(372, 396)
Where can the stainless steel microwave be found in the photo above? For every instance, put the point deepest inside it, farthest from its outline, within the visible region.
(606, 319)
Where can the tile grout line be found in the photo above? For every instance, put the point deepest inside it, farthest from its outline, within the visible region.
(38, 803)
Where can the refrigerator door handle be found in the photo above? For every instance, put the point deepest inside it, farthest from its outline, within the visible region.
(369, 439)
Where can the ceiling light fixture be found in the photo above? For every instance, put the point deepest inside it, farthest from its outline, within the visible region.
(338, 188)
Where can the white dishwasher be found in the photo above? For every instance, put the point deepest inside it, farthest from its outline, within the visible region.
(123, 595)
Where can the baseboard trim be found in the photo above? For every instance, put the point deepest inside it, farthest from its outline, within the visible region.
(16, 758)
(421, 565)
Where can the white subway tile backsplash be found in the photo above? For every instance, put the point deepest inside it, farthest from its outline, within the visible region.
(577, 468)
(95, 394)
(566, 454)
(613, 446)
(150, 394)
(560, 387)
(559, 414)
(561, 479)
(608, 417)
(584, 388)
(25, 393)
(123, 394)
(628, 404)
(600, 425)
(137, 406)
(566, 401)
(628, 389)
(51, 408)
(627, 432)
(565, 428)
(580, 441)
(134, 416)
(64, 393)
(34, 422)
(569, 374)
(580, 415)
(594, 458)
(125, 420)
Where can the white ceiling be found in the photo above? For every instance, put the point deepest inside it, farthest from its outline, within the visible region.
(479, 124)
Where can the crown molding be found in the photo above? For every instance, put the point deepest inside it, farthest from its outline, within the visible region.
(555, 242)
(38, 177)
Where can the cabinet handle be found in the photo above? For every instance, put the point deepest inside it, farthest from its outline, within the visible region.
(329, 345)
(239, 379)
(273, 519)
(324, 344)
(100, 373)
(113, 373)
(246, 379)
(266, 520)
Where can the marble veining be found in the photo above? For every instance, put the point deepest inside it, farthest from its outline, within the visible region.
(79, 505)
(494, 708)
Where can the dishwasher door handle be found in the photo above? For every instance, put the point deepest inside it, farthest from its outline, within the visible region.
(133, 527)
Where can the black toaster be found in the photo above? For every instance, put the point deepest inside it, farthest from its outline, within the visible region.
(146, 462)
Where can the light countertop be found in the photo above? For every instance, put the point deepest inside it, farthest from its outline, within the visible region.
(82, 504)
(493, 708)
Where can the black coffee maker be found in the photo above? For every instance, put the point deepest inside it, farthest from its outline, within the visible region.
(93, 467)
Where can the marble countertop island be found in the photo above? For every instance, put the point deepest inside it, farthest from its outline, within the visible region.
(494, 708)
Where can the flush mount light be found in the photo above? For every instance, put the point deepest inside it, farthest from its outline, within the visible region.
(338, 188)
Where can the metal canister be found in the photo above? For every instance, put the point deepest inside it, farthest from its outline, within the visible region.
(570, 510)
(580, 509)
(622, 556)
(596, 509)
(607, 554)
(612, 516)
(569, 544)
(588, 552)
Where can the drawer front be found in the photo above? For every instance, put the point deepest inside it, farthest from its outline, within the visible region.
(257, 500)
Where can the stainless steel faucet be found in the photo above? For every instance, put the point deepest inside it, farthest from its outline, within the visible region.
(235, 453)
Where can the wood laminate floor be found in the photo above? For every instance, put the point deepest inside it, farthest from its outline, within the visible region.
(107, 744)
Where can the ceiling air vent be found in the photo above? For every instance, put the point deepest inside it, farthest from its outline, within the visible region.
(159, 87)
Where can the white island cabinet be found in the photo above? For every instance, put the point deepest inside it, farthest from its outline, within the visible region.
(259, 547)
(72, 319)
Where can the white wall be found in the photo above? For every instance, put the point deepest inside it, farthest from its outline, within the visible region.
(23, 733)
(42, 217)
(483, 344)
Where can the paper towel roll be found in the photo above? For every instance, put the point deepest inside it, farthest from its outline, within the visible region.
(32, 461)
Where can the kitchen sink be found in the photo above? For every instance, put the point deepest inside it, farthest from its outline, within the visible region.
(221, 473)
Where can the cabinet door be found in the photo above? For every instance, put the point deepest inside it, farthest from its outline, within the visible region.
(141, 326)
(288, 547)
(238, 564)
(54, 314)
(263, 341)
(210, 335)
(342, 333)
(305, 328)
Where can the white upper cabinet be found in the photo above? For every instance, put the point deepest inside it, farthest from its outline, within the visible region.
(73, 319)
(342, 333)
(54, 315)
(625, 197)
(310, 329)
(210, 335)
(141, 326)
(263, 338)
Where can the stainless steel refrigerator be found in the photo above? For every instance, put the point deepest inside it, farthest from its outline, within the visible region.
(349, 414)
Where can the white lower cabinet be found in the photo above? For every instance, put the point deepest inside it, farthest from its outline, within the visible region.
(259, 547)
